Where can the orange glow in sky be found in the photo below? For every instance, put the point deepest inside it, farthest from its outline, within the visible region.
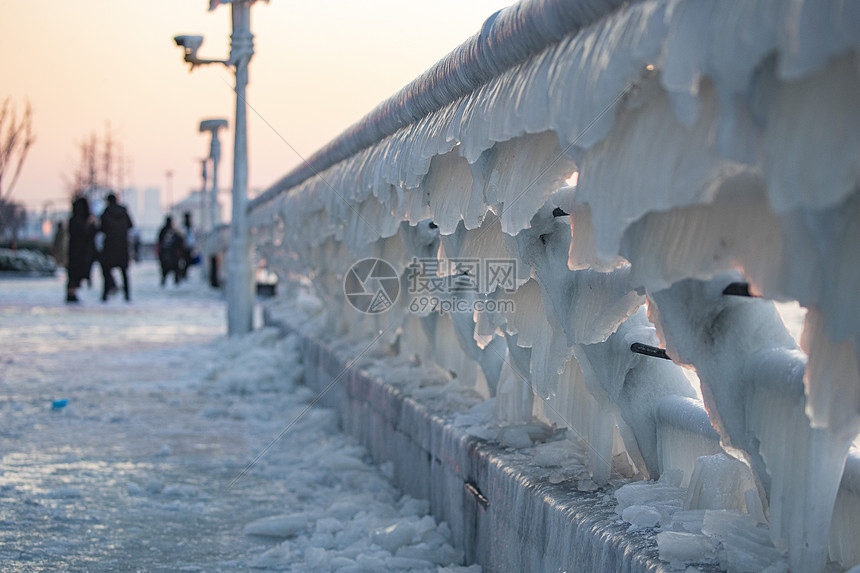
(319, 67)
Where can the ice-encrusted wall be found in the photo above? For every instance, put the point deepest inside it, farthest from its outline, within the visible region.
(507, 516)
(717, 153)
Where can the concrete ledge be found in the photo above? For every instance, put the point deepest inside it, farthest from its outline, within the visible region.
(502, 510)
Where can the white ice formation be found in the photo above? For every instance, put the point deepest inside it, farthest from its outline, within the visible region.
(717, 147)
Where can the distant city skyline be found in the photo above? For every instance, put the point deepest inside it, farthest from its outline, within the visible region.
(318, 68)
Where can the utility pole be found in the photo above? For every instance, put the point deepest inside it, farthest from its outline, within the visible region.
(213, 126)
(240, 284)
(168, 175)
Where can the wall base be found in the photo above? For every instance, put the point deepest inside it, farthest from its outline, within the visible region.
(503, 512)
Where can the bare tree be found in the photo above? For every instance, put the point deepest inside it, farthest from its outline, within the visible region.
(97, 172)
(16, 137)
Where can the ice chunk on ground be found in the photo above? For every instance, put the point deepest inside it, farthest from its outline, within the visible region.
(687, 521)
(371, 562)
(641, 516)
(65, 492)
(665, 499)
(437, 554)
(345, 464)
(515, 437)
(348, 506)
(180, 490)
(279, 525)
(329, 525)
(586, 485)
(273, 557)
(393, 536)
(154, 486)
(406, 564)
(133, 489)
(719, 482)
(417, 507)
(482, 432)
(553, 454)
(455, 569)
(746, 547)
(316, 558)
(676, 546)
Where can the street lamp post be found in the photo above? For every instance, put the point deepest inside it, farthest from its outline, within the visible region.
(240, 293)
(204, 179)
(204, 198)
(168, 175)
(213, 126)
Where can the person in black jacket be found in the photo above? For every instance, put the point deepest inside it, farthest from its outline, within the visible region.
(171, 251)
(82, 231)
(115, 224)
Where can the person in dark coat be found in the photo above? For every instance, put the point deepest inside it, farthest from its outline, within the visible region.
(190, 241)
(115, 224)
(60, 246)
(82, 231)
(171, 251)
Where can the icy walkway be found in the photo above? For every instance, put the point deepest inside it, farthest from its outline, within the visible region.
(142, 470)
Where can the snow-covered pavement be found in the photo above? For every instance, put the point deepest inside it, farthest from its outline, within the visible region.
(149, 466)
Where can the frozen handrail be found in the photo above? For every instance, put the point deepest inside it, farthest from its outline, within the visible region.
(507, 38)
(688, 415)
(690, 132)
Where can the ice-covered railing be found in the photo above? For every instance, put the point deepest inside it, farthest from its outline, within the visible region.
(717, 148)
(215, 241)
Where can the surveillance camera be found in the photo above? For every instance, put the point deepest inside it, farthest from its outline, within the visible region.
(190, 43)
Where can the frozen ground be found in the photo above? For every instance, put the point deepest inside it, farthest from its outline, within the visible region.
(144, 467)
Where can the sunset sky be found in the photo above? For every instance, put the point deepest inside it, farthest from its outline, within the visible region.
(319, 66)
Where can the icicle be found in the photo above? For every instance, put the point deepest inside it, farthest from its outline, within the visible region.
(755, 400)
(449, 186)
(700, 241)
(846, 516)
(611, 173)
(821, 113)
(684, 433)
(587, 306)
(514, 399)
(523, 173)
(632, 385)
(531, 323)
(588, 420)
(832, 378)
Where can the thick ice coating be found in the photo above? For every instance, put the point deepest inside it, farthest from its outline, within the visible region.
(716, 149)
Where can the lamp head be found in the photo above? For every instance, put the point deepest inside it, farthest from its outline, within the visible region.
(190, 44)
(212, 125)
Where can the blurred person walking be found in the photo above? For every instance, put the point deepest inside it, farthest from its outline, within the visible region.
(60, 246)
(82, 232)
(115, 224)
(135, 245)
(171, 251)
(190, 242)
